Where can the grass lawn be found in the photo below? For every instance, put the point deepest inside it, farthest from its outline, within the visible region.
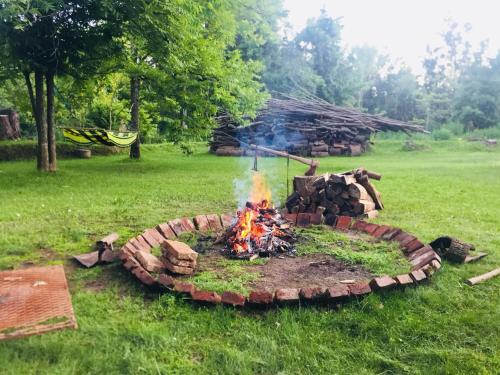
(445, 327)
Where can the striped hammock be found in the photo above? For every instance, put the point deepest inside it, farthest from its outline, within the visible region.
(87, 137)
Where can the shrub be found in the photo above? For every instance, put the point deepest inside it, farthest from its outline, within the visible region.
(442, 134)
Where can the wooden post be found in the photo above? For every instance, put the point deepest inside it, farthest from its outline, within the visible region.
(479, 279)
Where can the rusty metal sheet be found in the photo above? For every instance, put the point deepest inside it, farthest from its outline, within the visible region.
(34, 301)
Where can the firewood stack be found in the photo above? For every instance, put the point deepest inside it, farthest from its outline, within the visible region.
(346, 194)
(307, 127)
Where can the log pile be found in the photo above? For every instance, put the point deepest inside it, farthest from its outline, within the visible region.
(331, 195)
(307, 127)
(9, 125)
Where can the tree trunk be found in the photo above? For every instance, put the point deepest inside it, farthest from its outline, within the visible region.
(135, 149)
(43, 151)
(51, 132)
(29, 86)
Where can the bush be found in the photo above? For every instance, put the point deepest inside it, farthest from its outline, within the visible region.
(442, 134)
(455, 127)
(488, 133)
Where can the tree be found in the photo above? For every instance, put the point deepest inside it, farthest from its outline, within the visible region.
(49, 38)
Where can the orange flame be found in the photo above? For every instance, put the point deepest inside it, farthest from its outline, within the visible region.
(260, 191)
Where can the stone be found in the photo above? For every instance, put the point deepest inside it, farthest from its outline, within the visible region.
(203, 296)
(177, 226)
(312, 293)
(166, 280)
(226, 220)
(359, 289)
(380, 231)
(287, 295)
(178, 269)
(404, 280)
(418, 276)
(337, 293)
(233, 299)
(260, 297)
(214, 222)
(144, 276)
(291, 218)
(201, 223)
(303, 219)
(343, 222)
(382, 282)
(149, 262)
(187, 288)
(166, 231)
(179, 250)
(315, 219)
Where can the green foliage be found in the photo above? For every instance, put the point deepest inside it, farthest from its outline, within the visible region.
(442, 134)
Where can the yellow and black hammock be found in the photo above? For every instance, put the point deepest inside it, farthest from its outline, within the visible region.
(87, 137)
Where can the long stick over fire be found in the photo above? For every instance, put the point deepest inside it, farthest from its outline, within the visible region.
(313, 164)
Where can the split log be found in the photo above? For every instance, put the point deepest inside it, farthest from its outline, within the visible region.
(374, 194)
(452, 249)
(479, 279)
(358, 191)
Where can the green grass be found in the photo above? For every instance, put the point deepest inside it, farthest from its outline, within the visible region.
(380, 258)
(445, 327)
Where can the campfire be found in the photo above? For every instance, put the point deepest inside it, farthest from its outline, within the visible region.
(258, 228)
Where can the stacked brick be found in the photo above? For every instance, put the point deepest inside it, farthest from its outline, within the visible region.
(136, 256)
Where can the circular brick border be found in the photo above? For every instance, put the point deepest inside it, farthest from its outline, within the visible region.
(424, 260)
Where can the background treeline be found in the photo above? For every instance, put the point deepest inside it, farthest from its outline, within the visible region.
(178, 63)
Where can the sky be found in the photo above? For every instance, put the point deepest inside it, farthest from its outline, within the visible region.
(402, 28)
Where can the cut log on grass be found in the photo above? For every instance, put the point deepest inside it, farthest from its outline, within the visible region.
(470, 258)
(479, 279)
(452, 249)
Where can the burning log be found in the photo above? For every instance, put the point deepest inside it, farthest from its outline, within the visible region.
(347, 194)
(259, 229)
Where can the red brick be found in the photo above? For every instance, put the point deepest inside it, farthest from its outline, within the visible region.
(187, 224)
(131, 263)
(316, 219)
(313, 293)
(144, 276)
(413, 246)
(232, 298)
(214, 222)
(187, 288)
(390, 234)
(260, 297)
(166, 280)
(204, 296)
(303, 219)
(424, 259)
(404, 280)
(436, 264)
(287, 295)
(379, 232)
(226, 220)
(359, 225)
(419, 252)
(383, 282)
(359, 289)
(343, 222)
(149, 262)
(402, 235)
(150, 239)
(370, 228)
(418, 276)
(406, 241)
(337, 292)
(201, 223)
(179, 250)
(157, 235)
(139, 243)
(292, 218)
(127, 251)
(166, 231)
(177, 226)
